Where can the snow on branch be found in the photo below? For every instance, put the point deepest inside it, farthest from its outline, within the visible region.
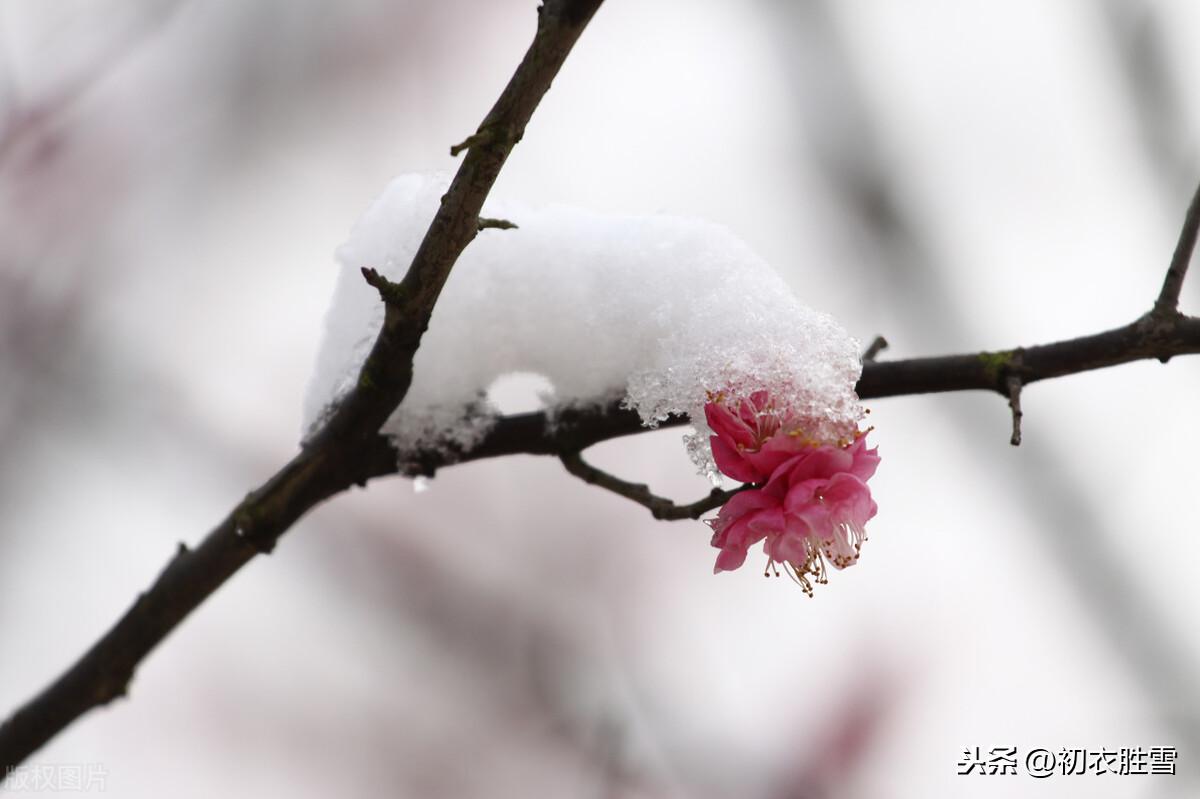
(574, 429)
(663, 311)
(677, 316)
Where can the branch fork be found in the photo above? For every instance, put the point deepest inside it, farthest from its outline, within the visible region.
(488, 135)
(389, 292)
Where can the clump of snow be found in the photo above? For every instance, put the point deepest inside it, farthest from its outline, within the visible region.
(659, 310)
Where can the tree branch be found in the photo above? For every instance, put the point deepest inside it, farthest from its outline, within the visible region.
(576, 428)
(572, 429)
(1168, 298)
(486, 223)
(660, 507)
(877, 346)
(330, 461)
(1014, 403)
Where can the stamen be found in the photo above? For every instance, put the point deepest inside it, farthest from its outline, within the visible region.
(798, 578)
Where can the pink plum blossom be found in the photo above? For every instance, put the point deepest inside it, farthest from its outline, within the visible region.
(809, 502)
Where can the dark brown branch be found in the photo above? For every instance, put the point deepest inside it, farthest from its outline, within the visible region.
(576, 428)
(1168, 298)
(389, 292)
(331, 461)
(877, 346)
(660, 507)
(387, 372)
(483, 136)
(580, 427)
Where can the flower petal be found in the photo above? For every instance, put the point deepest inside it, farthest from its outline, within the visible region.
(866, 461)
(731, 463)
(801, 495)
(777, 450)
(744, 502)
(768, 522)
(814, 518)
(821, 462)
(727, 426)
(728, 560)
(789, 548)
(849, 499)
(739, 536)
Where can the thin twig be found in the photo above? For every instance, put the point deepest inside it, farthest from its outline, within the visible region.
(1168, 298)
(498, 224)
(389, 292)
(484, 136)
(660, 507)
(877, 346)
(1014, 402)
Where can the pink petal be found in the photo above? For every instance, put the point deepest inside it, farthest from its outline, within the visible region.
(745, 502)
(727, 426)
(767, 522)
(850, 499)
(822, 462)
(788, 549)
(744, 533)
(866, 461)
(731, 462)
(728, 560)
(750, 410)
(777, 449)
(801, 495)
(778, 484)
(814, 518)
(736, 512)
(746, 519)
(739, 537)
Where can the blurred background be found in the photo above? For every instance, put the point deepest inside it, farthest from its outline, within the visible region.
(957, 176)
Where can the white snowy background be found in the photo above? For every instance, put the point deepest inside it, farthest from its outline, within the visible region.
(174, 178)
